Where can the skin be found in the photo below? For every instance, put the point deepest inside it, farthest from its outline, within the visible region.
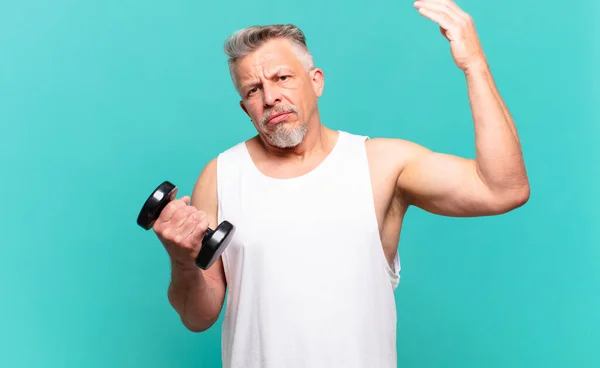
(403, 173)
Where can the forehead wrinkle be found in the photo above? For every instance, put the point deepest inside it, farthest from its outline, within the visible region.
(264, 64)
(268, 73)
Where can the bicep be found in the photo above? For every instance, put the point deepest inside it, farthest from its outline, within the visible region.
(445, 184)
(204, 198)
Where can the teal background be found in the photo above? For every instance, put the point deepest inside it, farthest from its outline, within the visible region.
(100, 101)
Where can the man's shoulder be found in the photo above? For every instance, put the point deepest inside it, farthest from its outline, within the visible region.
(233, 149)
(232, 153)
(229, 151)
(389, 157)
(392, 148)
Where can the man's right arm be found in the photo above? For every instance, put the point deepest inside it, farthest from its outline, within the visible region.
(198, 295)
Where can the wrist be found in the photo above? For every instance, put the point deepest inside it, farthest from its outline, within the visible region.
(184, 267)
(477, 67)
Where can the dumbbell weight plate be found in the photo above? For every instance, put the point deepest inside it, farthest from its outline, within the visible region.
(214, 243)
(155, 203)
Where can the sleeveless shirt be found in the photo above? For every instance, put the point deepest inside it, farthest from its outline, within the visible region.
(308, 283)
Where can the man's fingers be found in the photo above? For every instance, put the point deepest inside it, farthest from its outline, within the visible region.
(183, 225)
(442, 19)
(199, 230)
(450, 5)
(171, 209)
(446, 12)
(446, 8)
(190, 224)
(181, 216)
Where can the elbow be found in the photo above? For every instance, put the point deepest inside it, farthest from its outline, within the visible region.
(194, 322)
(517, 199)
(510, 200)
(523, 196)
(198, 326)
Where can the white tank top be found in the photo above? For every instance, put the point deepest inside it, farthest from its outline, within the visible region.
(308, 282)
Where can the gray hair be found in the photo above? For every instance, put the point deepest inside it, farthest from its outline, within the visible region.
(247, 40)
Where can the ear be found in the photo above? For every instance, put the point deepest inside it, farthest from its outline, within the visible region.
(318, 81)
(244, 107)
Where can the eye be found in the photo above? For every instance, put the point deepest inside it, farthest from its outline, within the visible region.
(252, 90)
(284, 77)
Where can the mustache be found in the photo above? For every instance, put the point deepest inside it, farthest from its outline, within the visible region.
(278, 110)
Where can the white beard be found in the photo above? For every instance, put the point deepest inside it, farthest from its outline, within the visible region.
(283, 136)
(286, 137)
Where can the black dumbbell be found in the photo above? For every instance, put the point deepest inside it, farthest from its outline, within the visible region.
(214, 241)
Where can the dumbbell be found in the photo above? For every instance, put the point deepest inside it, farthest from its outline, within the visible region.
(214, 241)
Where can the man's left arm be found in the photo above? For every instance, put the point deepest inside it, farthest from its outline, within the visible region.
(496, 180)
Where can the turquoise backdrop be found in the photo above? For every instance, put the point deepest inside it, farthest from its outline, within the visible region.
(102, 100)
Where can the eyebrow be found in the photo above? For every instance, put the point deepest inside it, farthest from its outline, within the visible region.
(248, 85)
(275, 72)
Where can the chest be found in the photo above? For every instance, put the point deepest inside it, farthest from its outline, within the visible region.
(303, 205)
(312, 222)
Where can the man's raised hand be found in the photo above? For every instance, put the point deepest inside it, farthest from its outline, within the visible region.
(458, 27)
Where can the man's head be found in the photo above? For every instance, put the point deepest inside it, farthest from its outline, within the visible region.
(274, 74)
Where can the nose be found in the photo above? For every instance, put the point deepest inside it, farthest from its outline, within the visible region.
(271, 95)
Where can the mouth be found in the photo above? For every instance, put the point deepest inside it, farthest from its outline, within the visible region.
(278, 118)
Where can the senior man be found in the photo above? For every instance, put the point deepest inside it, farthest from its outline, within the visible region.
(313, 265)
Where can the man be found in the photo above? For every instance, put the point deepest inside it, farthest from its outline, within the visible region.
(313, 265)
